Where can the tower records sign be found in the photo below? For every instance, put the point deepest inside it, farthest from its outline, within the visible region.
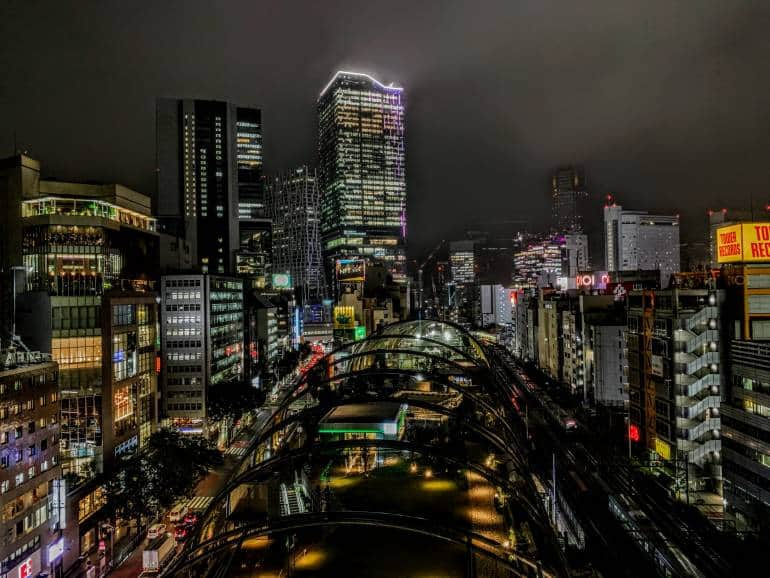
(745, 242)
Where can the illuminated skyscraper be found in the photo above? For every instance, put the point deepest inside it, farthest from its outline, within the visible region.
(210, 190)
(361, 171)
(294, 207)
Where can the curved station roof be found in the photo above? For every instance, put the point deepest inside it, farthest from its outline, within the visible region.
(397, 455)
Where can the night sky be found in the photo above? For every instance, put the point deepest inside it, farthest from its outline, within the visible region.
(666, 103)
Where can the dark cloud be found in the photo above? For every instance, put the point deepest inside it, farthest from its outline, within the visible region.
(666, 103)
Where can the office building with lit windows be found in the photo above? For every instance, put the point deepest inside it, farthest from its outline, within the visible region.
(201, 344)
(362, 172)
(130, 349)
(636, 240)
(30, 490)
(294, 207)
(75, 241)
(209, 162)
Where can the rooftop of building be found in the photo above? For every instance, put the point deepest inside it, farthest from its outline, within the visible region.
(373, 412)
(360, 76)
(14, 361)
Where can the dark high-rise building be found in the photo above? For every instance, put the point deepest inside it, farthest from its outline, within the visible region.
(209, 156)
(569, 199)
(362, 173)
(294, 208)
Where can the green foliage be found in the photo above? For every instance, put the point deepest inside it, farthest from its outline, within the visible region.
(153, 479)
(232, 400)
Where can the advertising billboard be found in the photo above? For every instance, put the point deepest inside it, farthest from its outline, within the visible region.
(745, 242)
(280, 280)
(344, 317)
(350, 270)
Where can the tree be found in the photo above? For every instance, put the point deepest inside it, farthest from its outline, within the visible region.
(232, 400)
(177, 462)
(129, 494)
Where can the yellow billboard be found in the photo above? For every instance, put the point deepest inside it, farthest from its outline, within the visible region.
(344, 317)
(662, 449)
(746, 243)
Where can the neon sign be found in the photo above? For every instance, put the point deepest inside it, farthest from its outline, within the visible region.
(593, 280)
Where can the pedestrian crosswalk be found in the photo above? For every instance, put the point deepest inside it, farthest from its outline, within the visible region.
(236, 451)
(199, 503)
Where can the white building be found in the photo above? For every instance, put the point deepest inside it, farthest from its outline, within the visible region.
(494, 305)
(201, 344)
(636, 240)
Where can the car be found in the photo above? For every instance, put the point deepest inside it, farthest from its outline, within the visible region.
(156, 531)
(178, 512)
(181, 533)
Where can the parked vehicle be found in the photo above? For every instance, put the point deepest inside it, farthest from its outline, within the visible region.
(157, 553)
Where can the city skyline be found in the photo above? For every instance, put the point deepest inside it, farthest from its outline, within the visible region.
(503, 154)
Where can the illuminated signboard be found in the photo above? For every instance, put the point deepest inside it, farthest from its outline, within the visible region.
(633, 432)
(280, 281)
(359, 333)
(25, 569)
(662, 449)
(55, 550)
(344, 317)
(349, 270)
(746, 242)
(593, 280)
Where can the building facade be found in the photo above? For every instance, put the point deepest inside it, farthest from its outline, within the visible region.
(78, 241)
(201, 344)
(636, 240)
(362, 172)
(210, 190)
(31, 495)
(294, 206)
(569, 199)
(675, 382)
(130, 349)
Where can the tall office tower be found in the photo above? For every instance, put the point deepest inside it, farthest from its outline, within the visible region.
(209, 163)
(294, 206)
(568, 199)
(636, 240)
(362, 173)
(201, 344)
(77, 241)
(675, 377)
